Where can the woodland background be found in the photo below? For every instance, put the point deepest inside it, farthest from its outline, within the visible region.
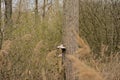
(30, 31)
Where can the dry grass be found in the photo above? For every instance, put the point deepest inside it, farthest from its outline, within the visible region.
(43, 74)
(50, 58)
(38, 46)
(84, 49)
(32, 55)
(110, 67)
(49, 67)
(26, 37)
(84, 72)
(98, 66)
(87, 69)
(6, 47)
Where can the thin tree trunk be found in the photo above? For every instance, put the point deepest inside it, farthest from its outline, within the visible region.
(44, 7)
(71, 22)
(36, 12)
(8, 18)
(8, 12)
(19, 11)
(1, 32)
(0, 14)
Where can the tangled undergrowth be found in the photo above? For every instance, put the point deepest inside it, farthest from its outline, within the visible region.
(23, 59)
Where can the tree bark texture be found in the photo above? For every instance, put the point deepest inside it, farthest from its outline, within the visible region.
(71, 22)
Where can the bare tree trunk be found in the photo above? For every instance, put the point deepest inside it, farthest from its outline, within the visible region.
(1, 32)
(71, 21)
(19, 11)
(8, 17)
(36, 12)
(8, 12)
(44, 7)
(0, 14)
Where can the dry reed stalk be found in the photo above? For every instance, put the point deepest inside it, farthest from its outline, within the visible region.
(104, 48)
(84, 71)
(38, 47)
(43, 74)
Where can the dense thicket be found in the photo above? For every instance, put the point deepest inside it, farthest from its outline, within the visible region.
(28, 50)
